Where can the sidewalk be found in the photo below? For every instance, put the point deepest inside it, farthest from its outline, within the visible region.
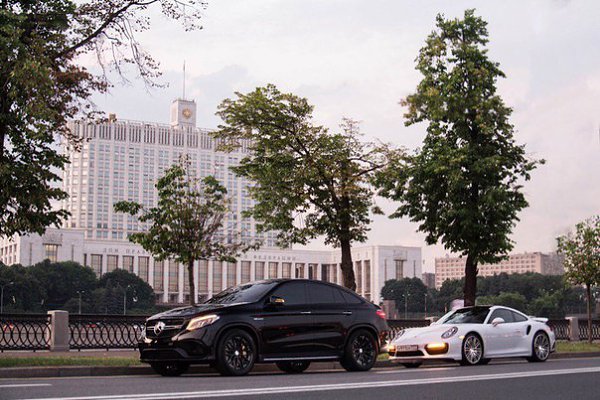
(92, 370)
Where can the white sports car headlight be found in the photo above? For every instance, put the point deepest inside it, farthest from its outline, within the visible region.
(449, 333)
(200, 322)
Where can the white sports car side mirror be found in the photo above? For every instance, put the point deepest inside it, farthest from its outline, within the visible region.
(496, 321)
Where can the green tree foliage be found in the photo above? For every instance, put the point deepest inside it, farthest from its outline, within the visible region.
(508, 299)
(139, 294)
(581, 250)
(409, 294)
(62, 280)
(308, 182)
(463, 186)
(187, 223)
(26, 290)
(42, 87)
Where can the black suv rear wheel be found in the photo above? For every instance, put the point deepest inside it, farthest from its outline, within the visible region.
(293, 367)
(236, 353)
(360, 353)
(170, 368)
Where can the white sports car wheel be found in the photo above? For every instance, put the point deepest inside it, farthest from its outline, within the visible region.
(540, 348)
(472, 350)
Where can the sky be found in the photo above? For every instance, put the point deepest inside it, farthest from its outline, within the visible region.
(356, 59)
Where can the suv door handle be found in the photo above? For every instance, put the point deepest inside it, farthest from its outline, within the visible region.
(347, 313)
(305, 312)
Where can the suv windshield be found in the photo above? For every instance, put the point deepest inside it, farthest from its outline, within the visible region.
(471, 315)
(246, 293)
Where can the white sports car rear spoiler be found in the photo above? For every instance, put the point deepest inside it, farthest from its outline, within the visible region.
(543, 320)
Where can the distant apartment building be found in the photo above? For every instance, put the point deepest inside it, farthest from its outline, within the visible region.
(428, 279)
(454, 267)
(122, 160)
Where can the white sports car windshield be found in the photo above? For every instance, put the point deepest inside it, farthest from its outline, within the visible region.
(470, 315)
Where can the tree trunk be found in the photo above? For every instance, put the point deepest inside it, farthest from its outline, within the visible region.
(347, 270)
(588, 293)
(470, 288)
(190, 268)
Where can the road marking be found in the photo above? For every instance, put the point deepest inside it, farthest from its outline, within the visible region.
(405, 370)
(328, 387)
(25, 385)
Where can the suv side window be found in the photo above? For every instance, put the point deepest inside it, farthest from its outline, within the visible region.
(293, 293)
(351, 298)
(320, 294)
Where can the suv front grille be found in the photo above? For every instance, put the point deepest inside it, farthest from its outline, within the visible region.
(171, 327)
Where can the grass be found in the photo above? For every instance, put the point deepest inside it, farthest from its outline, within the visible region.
(44, 361)
(576, 347)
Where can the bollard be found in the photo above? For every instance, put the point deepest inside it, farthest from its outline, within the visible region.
(573, 328)
(60, 335)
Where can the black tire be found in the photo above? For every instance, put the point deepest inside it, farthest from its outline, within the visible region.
(360, 353)
(293, 367)
(540, 348)
(412, 364)
(170, 368)
(236, 353)
(472, 350)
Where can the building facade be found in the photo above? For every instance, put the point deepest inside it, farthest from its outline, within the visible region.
(373, 265)
(122, 160)
(454, 267)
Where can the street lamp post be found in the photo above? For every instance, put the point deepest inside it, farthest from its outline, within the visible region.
(2, 295)
(406, 295)
(125, 299)
(425, 305)
(80, 292)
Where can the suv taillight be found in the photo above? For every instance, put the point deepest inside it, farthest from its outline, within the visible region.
(381, 314)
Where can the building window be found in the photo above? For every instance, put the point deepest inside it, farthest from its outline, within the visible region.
(325, 272)
(286, 270)
(359, 275)
(259, 270)
(217, 276)
(399, 269)
(272, 270)
(173, 275)
(367, 264)
(203, 277)
(231, 273)
(143, 268)
(51, 252)
(246, 271)
(97, 263)
(111, 263)
(128, 263)
(299, 270)
(158, 275)
(312, 271)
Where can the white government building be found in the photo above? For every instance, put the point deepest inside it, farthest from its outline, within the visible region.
(121, 160)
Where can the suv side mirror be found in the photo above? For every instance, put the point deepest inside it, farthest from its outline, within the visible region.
(497, 321)
(276, 301)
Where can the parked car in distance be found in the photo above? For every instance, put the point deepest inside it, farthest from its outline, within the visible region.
(290, 322)
(475, 335)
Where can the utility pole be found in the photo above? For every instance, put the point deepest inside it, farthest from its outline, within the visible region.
(2, 295)
(125, 299)
(80, 292)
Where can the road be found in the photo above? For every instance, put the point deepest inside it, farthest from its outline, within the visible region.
(513, 380)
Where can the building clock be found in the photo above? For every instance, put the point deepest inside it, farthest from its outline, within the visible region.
(187, 113)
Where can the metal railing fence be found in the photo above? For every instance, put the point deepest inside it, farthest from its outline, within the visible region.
(24, 332)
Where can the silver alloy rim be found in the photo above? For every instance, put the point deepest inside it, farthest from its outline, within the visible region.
(541, 345)
(472, 349)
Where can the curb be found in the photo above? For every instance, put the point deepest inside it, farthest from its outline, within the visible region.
(72, 371)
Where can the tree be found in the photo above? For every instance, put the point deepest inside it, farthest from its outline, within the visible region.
(463, 186)
(137, 292)
(409, 294)
(582, 259)
(187, 223)
(307, 182)
(508, 299)
(26, 290)
(42, 87)
(62, 280)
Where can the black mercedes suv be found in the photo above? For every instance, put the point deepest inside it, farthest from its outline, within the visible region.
(290, 322)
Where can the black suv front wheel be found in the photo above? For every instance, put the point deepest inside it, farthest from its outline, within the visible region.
(236, 353)
(360, 353)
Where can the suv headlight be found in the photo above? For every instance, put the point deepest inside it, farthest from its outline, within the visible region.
(201, 322)
(449, 333)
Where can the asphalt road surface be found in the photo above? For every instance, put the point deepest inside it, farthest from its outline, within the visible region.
(512, 380)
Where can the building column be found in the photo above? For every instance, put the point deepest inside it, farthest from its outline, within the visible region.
(180, 282)
(196, 270)
(211, 264)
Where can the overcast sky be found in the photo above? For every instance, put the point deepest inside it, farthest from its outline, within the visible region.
(356, 59)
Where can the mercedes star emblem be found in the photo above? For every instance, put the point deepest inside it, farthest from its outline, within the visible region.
(158, 328)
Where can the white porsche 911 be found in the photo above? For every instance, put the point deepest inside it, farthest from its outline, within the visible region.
(474, 335)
